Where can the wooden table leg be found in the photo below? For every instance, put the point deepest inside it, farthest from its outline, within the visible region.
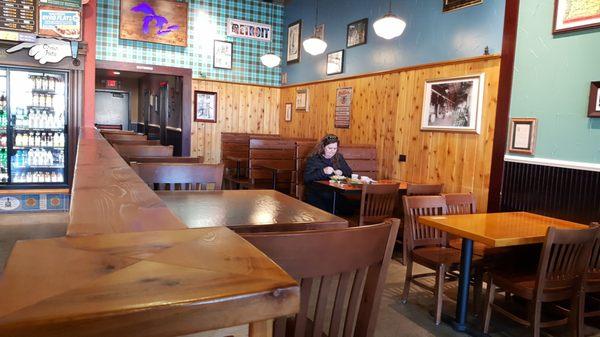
(261, 329)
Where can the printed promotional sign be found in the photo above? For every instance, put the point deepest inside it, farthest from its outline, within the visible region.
(60, 23)
(248, 30)
(343, 103)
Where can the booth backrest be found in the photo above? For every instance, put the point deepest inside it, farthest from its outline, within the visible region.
(127, 151)
(362, 159)
(303, 149)
(275, 153)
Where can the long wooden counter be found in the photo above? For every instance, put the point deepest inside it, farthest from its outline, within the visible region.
(163, 283)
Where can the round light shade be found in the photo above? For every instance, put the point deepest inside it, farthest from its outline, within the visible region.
(314, 45)
(389, 26)
(270, 60)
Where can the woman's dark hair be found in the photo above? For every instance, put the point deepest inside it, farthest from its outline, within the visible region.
(319, 149)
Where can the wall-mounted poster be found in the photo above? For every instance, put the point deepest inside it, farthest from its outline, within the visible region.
(453, 104)
(356, 33)
(575, 14)
(157, 21)
(335, 62)
(248, 30)
(522, 135)
(302, 99)
(288, 112)
(222, 54)
(343, 104)
(450, 5)
(293, 42)
(205, 106)
(59, 23)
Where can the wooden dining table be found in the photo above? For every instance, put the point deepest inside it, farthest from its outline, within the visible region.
(340, 187)
(494, 230)
(248, 211)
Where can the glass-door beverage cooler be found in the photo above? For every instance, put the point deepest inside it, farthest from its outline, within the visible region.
(33, 127)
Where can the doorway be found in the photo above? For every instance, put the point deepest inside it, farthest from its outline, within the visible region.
(112, 108)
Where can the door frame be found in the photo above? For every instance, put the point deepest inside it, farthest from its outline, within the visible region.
(116, 91)
(186, 95)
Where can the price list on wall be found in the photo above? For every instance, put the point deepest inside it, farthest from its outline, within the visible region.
(17, 15)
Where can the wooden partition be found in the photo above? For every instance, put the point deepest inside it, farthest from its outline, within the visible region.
(386, 112)
(144, 150)
(241, 108)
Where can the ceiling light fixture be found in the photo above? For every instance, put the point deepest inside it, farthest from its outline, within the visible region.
(270, 60)
(116, 73)
(314, 45)
(389, 26)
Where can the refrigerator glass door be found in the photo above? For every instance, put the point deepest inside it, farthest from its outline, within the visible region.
(3, 129)
(38, 117)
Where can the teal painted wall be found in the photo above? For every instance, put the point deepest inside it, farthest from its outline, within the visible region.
(551, 83)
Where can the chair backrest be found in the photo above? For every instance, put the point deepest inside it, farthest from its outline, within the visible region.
(460, 203)
(127, 151)
(124, 137)
(236, 144)
(362, 159)
(358, 257)
(377, 202)
(424, 189)
(303, 149)
(180, 176)
(418, 235)
(182, 160)
(135, 142)
(276, 153)
(109, 126)
(593, 272)
(563, 262)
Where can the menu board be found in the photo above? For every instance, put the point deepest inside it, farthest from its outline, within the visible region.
(17, 15)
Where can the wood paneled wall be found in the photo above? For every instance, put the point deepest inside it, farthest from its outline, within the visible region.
(386, 111)
(241, 108)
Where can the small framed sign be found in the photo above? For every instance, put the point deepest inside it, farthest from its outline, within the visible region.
(248, 30)
(222, 54)
(522, 135)
(288, 112)
(450, 5)
(335, 62)
(205, 106)
(356, 33)
(570, 15)
(293, 42)
(302, 99)
(594, 104)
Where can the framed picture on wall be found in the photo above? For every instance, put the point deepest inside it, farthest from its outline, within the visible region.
(450, 5)
(522, 135)
(335, 62)
(205, 106)
(356, 33)
(139, 20)
(288, 112)
(453, 104)
(572, 15)
(320, 31)
(222, 54)
(302, 99)
(594, 104)
(293, 42)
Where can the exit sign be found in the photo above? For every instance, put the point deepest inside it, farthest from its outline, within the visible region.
(111, 84)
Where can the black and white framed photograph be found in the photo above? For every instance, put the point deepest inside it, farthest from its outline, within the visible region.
(302, 100)
(320, 31)
(594, 104)
(293, 42)
(288, 112)
(453, 104)
(222, 54)
(356, 33)
(335, 62)
(522, 135)
(450, 5)
(205, 106)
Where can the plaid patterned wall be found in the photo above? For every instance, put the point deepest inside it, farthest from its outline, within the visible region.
(206, 22)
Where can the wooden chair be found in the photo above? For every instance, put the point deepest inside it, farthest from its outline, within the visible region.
(109, 126)
(590, 285)
(563, 261)
(127, 151)
(377, 203)
(358, 257)
(362, 159)
(180, 176)
(424, 189)
(427, 246)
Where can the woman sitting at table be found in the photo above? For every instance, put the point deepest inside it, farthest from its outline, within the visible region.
(323, 162)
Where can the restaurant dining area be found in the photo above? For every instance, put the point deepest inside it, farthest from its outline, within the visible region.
(296, 168)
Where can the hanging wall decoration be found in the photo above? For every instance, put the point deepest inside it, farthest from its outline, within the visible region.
(302, 99)
(594, 103)
(293, 42)
(575, 14)
(248, 30)
(343, 104)
(356, 33)
(450, 5)
(61, 19)
(222, 54)
(157, 21)
(522, 135)
(335, 62)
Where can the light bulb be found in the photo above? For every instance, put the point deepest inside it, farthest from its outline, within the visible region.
(314, 45)
(270, 60)
(389, 26)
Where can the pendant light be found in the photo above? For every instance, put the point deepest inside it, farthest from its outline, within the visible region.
(270, 60)
(314, 45)
(389, 26)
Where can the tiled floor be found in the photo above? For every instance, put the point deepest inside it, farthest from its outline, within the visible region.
(395, 319)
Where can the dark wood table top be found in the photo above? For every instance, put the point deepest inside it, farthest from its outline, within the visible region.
(248, 210)
(358, 187)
